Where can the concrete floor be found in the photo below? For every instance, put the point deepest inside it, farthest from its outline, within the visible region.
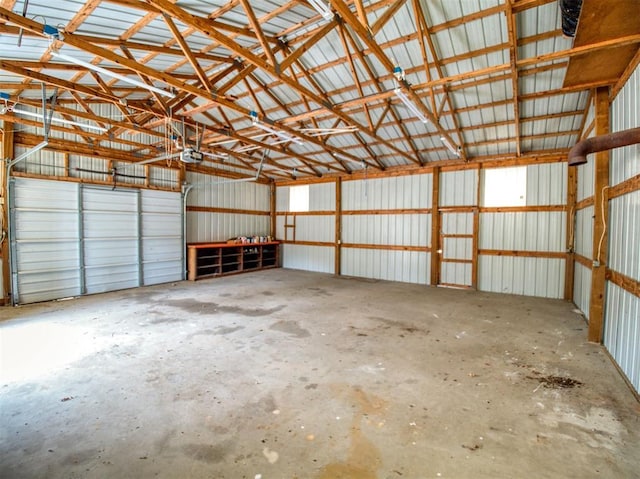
(287, 374)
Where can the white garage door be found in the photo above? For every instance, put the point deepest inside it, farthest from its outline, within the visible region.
(110, 238)
(70, 239)
(162, 248)
(45, 240)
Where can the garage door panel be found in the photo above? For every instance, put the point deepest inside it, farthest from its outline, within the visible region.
(45, 225)
(48, 256)
(110, 251)
(48, 285)
(108, 200)
(111, 278)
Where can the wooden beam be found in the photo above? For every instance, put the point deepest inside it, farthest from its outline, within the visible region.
(272, 210)
(570, 228)
(7, 153)
(337, 268)
(295, 55)
(601, 219)
(513, 59)
(385, 17)
(627, 283)
(257, 28)
(435, 228)
(184, 46)
(362, 13)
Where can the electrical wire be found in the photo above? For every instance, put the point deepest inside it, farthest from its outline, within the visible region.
(572, 227)
(604, 223)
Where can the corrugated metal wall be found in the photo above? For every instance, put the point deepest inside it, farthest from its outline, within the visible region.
(459, 188)
(583, 229)
(583, 246)
(622, 308)
(533, 232)
(317, 226)
(622, 331)
(388, 227)
(220, 194)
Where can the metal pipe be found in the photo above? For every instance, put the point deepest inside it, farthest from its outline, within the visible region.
(578, 154)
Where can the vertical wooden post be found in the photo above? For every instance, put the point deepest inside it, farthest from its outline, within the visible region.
(7, 155)
(272, 209)
(435, 227)
(476, 232)
(572, 193)
(600, 210)
(66, 158)
(338, 227)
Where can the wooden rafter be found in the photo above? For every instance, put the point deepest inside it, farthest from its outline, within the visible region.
(513, 60)
(187, 52)
(257, 28)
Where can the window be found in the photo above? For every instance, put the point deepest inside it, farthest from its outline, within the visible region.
(299, 198)
(505, 186)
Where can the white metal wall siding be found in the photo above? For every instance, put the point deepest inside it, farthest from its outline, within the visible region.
(402, 192)
(216, 192)
(322, 197)
(456, 274)
(586, 171)
(520, 275)
(399, 230)
(547, 184)
(585, 180)
(52, 163)
(111, 239)
(320, 259)
(282, 199)
(622, 309)
(584, 232)
(162, 248)
(221, 193)
(205, 227)
(391, 265)
(459, 188)
(624, 234)
(316, 228)
(526, 231)
(625, 114)
(47, 237)
(582, 288)
(622, 331)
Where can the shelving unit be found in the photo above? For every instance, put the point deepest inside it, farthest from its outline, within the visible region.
(206, 260)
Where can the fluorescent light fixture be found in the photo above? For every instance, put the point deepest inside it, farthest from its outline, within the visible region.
(104, 71)
(59, 120)
(409, 104)
(322, 8)
(452, 149)
(328, 131)
(269, 129)
(244, 149)
(222, 156)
